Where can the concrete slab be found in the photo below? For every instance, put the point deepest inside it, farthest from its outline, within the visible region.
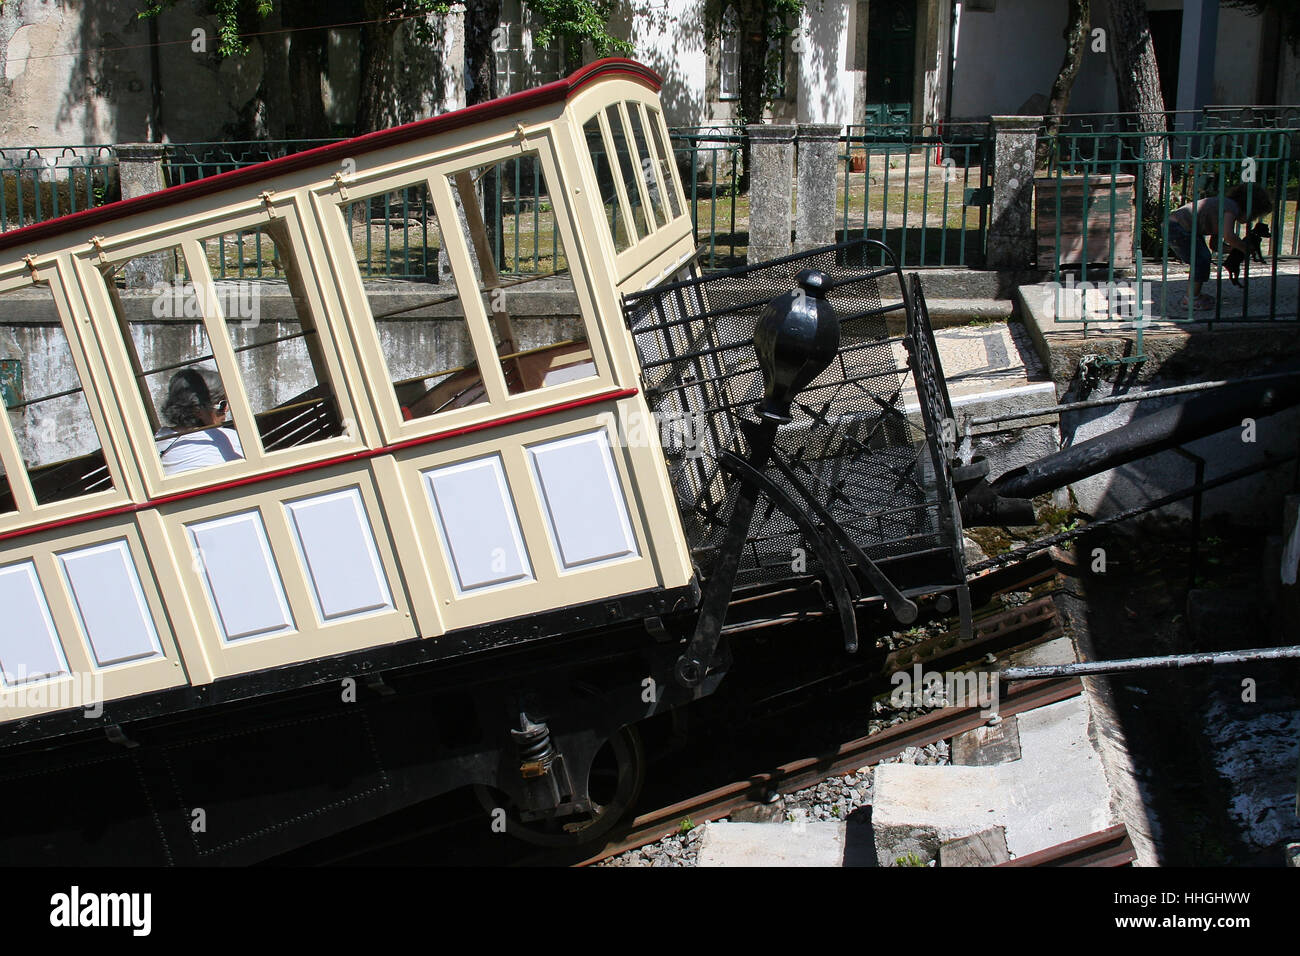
(768, 844)
(1057, 791)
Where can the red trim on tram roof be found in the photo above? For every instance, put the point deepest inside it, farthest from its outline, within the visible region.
(554, 92)
(363, 455)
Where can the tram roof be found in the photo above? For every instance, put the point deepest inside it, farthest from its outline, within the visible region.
(554, 92)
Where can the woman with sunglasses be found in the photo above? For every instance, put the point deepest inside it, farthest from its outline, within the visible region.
(195, 411)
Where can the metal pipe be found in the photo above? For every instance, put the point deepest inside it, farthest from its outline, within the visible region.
(1122, 399)
(1088, 668)
(1167, 428)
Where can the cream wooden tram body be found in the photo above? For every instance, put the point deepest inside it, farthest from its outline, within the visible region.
(391, 523)
(390, 567)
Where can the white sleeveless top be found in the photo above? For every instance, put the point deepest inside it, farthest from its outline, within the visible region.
(211, 446)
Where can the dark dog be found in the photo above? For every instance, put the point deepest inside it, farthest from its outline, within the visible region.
(1254, 237)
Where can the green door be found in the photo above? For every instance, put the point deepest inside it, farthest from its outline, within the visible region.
(891, 63)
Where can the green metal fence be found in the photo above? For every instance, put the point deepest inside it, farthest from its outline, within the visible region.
(708, 164)
(39, 183)
(922, 194)
(1130, 183)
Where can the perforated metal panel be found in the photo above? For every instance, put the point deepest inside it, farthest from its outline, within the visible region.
(864, 441)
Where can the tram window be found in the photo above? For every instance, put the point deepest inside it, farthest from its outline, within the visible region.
(47, 409)
(425, 339)
(646, 164)
(271, 328)
(167, 344)
(394, 235)
(513, 237)
(628, 165)
(665, 158)
(600, 161)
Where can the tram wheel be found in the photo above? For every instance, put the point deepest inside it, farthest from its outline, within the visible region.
(617, 774)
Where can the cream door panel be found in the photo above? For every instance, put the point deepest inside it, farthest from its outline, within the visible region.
(584, 504)
(29, 643)
(497, 549)
(477, 524)
(88, 616)
(337, 547)
(243, 583)
(110, 603)
(285, 571)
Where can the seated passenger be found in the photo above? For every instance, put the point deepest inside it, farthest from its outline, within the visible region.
(195, 409)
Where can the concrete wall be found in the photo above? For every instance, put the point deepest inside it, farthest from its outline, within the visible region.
(1028, 33)
(63, 82)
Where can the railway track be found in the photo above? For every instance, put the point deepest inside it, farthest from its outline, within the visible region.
(1033, 622)
(799, 774)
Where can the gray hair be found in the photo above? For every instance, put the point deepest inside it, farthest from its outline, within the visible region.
(191, 391)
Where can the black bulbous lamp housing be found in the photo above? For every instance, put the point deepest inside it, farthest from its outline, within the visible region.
(796, 338)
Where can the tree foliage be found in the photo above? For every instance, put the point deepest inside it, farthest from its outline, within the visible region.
(234, 17)
(576, 22)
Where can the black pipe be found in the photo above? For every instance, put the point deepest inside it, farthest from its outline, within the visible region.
(1167, 428)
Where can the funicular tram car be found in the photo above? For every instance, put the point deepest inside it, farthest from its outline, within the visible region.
(414, 569)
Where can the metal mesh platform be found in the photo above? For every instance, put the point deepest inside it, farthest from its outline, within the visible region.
(863, 439)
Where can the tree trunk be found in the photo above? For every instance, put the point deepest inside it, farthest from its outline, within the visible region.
(1077, 25)
(751, 20)
(307, 59)
(376, 107)
(1138, 82)
(481, 21)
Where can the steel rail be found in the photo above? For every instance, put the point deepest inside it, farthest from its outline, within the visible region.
(799, 774)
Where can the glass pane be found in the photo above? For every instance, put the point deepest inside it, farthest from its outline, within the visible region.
(395, 234)
(510, 227)
(423, 335)
(625, 163)
(184, 398)
(605, 180)
(47, 408)
(280, 358)
(665, 162)
(647, 165)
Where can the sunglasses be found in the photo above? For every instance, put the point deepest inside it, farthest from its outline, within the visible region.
(221, 407)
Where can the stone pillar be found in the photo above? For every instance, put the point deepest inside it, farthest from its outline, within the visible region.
(139, 169)
(771, 190)
(1196, 80)
(1011, 222)
(819, 155)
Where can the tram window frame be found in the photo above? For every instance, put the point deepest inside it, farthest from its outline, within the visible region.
(95, 270)
(649, 236)
(47, 273)
(437, 174)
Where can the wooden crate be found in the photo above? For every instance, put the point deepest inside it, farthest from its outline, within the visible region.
(1106, 236)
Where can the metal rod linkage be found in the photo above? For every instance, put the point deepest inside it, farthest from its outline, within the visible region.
(1085, 668)
(1122, 399)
